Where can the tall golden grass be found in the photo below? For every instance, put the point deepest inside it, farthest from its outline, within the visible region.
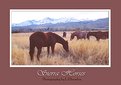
(81, 52)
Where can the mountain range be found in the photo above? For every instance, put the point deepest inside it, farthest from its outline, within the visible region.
(50, 24)
(45, 21)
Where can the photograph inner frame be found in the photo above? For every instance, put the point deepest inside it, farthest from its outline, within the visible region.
(60, 38)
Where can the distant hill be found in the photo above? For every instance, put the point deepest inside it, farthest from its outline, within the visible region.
(49, 24)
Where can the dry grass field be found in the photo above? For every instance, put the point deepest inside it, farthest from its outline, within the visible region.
(81, 52)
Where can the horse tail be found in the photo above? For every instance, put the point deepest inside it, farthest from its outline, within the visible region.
(31, 49)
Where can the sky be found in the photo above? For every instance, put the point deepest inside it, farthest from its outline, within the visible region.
(18, 16)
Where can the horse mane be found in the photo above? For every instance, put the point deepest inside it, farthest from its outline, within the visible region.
(59, 38)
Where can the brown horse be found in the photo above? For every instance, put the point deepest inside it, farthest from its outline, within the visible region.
(99, 35)
(41, 39)
(64, 34)
(79, 35)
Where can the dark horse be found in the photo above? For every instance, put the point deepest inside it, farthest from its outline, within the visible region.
(79, 35)
(99, 35)
(41, 39)
(64, 34)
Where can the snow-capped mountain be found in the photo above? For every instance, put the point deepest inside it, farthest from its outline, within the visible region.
(49, 24)
(45, 21)
(27, 23)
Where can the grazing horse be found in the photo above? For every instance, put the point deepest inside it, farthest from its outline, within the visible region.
(64, 34)
(79, 35)
(41, 39)
(99, 35)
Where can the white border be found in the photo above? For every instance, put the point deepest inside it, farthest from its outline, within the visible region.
(74, 10)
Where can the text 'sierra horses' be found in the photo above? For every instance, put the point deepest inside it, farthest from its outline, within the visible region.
(41, 39)
(79, 35)
(99, 35)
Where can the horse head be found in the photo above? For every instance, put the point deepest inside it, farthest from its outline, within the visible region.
(65, 46)
(72, 36)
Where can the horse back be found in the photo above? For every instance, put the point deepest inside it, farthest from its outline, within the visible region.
(99, 34)
(38, 38)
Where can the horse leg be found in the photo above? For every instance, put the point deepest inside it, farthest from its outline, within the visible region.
(38, 53)
(52, 48)
(48, 49)
(88, 37)
(98, 39)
